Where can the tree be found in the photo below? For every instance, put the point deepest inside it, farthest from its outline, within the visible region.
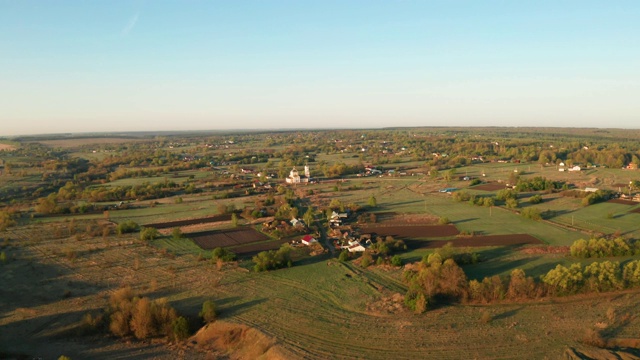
(308, 216)
(128, 226)
(176, 233)
(449, 175)
(148, 233)
(141, 319)
(180, 329)
(396, 260)
(372, 201)
(209, 312)
(234, 220)
(222, 254)
(344, 256)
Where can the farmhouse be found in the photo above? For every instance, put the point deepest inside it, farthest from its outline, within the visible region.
(308, 240)
(295, 178)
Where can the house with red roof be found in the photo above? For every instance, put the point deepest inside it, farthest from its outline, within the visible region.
(308, 240)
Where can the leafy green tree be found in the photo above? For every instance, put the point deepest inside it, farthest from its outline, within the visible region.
(127, 226)
(176, 233)
(148, 233)
(603, 276)
(372, 201)
(234, 220)
(223, 254)
(564, 280)
(180, 329)
(396, 260)
(308, 216)
(344, 256)
(209, 312)
(631, 273)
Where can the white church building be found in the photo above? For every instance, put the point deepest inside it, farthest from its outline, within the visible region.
(295, 178)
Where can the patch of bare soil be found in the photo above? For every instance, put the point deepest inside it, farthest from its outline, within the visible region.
(237, 341)
(600, 354)
(7, 147)
(489, 187)
(387, 305)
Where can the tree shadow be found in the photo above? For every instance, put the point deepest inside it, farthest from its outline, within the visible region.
(227, 311)
(463, 221)
(507, 314)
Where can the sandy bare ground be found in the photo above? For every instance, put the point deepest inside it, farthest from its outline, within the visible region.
(7, 147)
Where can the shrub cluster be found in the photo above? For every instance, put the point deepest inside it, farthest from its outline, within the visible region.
(388, 246)
(142, 317)
(223, 254)
(595, 277)
(538, 183)
(531, 213)
(273, 259)
(473, 199)
(601, 247)
(127, 226)
(148, 233)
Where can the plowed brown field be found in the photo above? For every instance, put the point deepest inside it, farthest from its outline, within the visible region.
(476, 241)
(178, 223)
(208, 240)
(489, 187)
(413, 231)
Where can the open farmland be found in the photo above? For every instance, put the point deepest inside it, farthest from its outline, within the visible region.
(59, 265)
(255, 248)
(623, 202)
(413, 231)
(179, 223)
(489, 187)
(476, 241)
(208, 240)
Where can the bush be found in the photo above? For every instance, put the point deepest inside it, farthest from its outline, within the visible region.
(140, 316)
(344, 256)
(535, 199)
(223, 254)
(128, 226)
(271, 260)
(176, 233)
(486, 317)
(444, 220)
(366, 259)
(208, 312)
(396, 260)
(149, 233)
(180, 329)
(531, 213)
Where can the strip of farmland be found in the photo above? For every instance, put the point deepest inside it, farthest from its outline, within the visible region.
(179, 223)
(208, 240)
(413, 231)
(476, 241)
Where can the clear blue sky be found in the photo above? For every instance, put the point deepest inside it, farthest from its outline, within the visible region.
(77, 66)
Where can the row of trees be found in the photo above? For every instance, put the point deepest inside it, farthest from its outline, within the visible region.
(435, 281)
(601, 247)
